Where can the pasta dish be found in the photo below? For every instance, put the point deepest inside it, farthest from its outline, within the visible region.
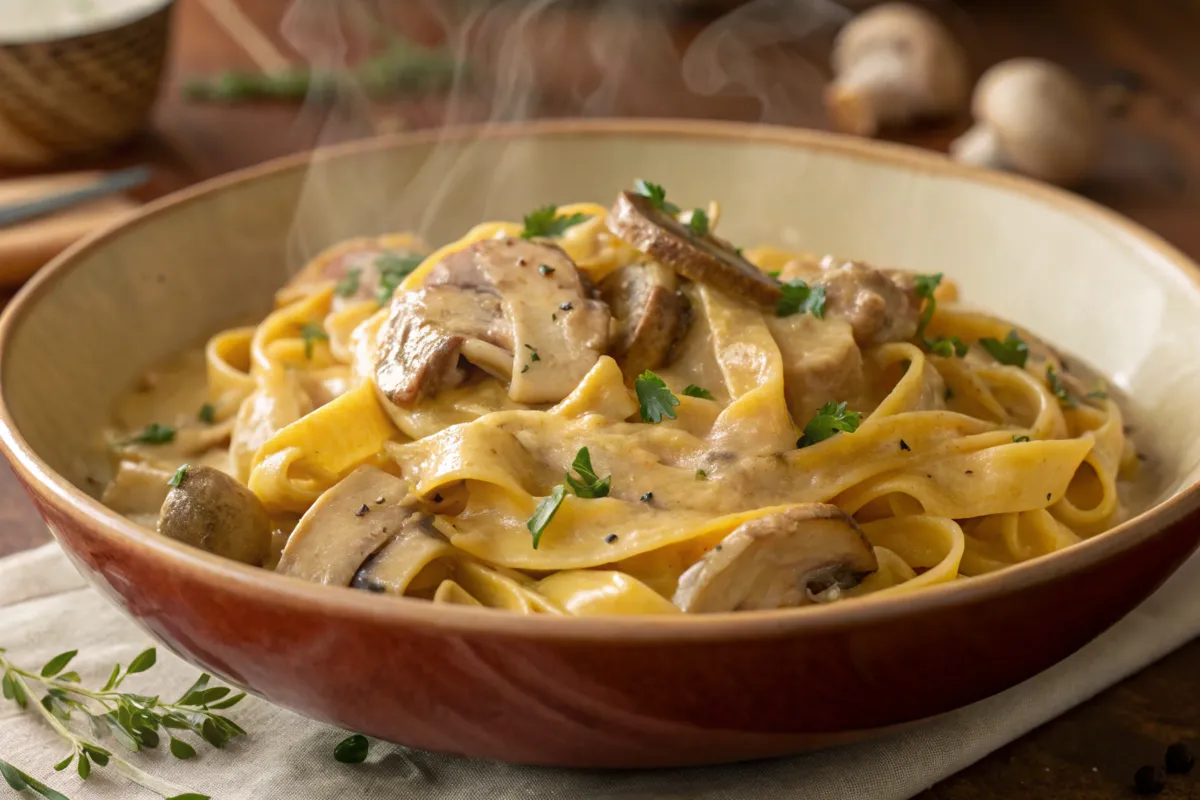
(614, 410)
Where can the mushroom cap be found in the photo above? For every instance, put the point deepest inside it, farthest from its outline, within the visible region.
(778, 561)
(935, 64)
(212, 511)
(1042, 118)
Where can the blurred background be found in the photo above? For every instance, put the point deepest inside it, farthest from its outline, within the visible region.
(190, 89)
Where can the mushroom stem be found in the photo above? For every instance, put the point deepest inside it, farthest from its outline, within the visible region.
(871, 93)
(979, 147)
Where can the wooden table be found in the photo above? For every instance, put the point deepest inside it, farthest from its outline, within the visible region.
(1149, 172)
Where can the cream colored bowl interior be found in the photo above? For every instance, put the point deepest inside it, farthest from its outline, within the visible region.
(1079, 276)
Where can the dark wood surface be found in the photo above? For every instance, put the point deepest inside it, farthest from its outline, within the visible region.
(759, 64)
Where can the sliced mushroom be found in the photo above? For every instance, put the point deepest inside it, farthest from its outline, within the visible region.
(704, 259)
(880, 305)
(345, 526)
(821, 361)
(793, 558)
(518, 309)
(415, 546)
(212, 511)
(651, 314)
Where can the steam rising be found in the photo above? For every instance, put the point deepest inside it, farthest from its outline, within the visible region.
(520, 60)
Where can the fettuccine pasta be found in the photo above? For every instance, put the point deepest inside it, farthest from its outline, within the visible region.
(615, 411)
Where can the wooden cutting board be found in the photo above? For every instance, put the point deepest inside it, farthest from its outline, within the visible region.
(27, 246)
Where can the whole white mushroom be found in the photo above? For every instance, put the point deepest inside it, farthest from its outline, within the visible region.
(1031, 117)
(893, 65)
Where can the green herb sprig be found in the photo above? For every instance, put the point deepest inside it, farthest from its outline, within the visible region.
(154, 433)
(1059, 389)
(393, 269)
(544, 513)
(349, 284)
(830, 419)
(655, 400)
(657, 195)
(797, 297)
(692, 390)
(588, 485)
(944, 346)
(698, 222)
(312, 332)
(545, 223)
(1013, 351)
(134, 721)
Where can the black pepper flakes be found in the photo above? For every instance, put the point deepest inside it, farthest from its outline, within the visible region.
(1048, 494)
(647, 497)
(437, 497)
(717, 548)
(1180, 759)
(521, 262)
(970, 472)
(1149, 780)
(363, 509)
(554, 317)
(524, 369)
(546, 270)
(612, 537)
(904, 446)
(376, 586)
(565, 306)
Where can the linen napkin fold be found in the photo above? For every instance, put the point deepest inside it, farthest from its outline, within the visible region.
(46, 608)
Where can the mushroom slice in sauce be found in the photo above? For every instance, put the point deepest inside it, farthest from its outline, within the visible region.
(779, 561)
(531, 321)
(704, 259)
(651, 314)
(335, 536)
(880, 305)
(212, 511)
(821, 362)
(415, 546)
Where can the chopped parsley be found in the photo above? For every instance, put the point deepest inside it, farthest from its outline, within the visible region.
(701, 475)
(698, 224)
(1097, 394)
(208, 413)
(830, 419)
(545, 512)
(311, 332)
(774, 273)
(589, 485)
(546, 269)
(1060, 391)
(926, 286)
(544, 222)
(524, 369)
(657, 195)
(948, 346)
(1020, 439)
(393, 269)
(797, 297)
(533, 353)
(349, 284)
(153, 434)
(692, 390)
(178, 477)
(1012, 351)
(654, 398)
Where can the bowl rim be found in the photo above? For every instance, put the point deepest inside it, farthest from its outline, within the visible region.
(55, 491)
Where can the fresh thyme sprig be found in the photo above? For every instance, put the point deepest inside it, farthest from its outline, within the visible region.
(134, 721)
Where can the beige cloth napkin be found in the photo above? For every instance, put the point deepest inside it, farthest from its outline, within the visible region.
(45, 608)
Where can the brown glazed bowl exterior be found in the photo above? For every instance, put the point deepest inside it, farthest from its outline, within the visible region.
(603, 692)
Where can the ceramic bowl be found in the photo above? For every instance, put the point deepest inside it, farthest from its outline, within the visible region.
(86, 89)
(606, 692)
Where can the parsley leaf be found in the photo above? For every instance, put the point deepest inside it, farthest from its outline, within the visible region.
(798, 297)
(1060, 391)
(926, 286)
(178, 477)
(393, 269)
(698, 224)
(948, 346)
(589, 484)
(311, 332)
(1097, 394)
(692, 390)
(208, 413)
(1012, 351)
(830, 419)
(1020, 439)
(153, 434)
(654, 398)
(349, 284)
(545, 512)
(546, 223)
(657, 195)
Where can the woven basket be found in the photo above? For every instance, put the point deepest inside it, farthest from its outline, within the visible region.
(75, 95)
